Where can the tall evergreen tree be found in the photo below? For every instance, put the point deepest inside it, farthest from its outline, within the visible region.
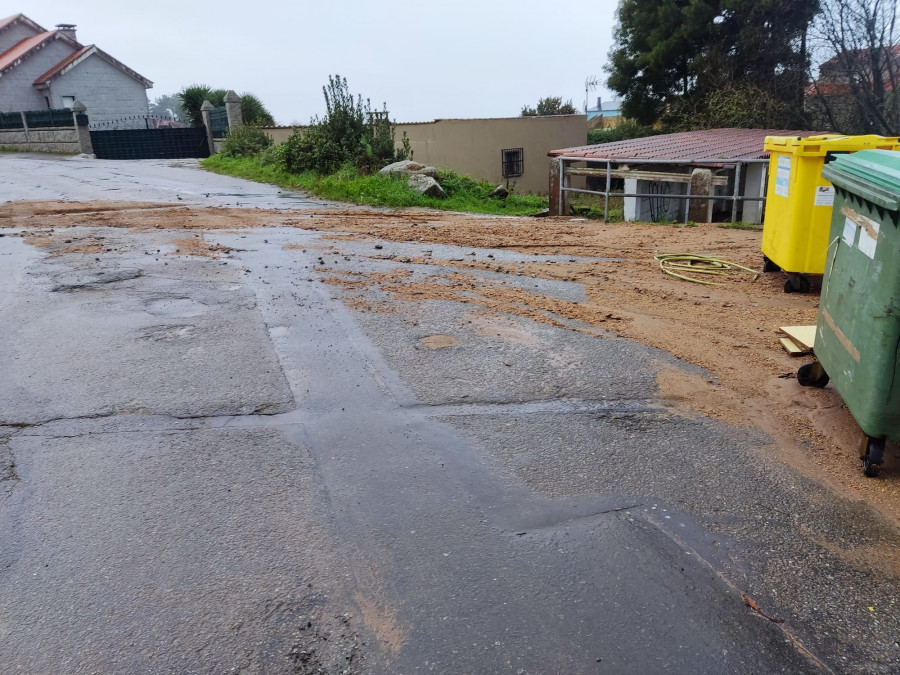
(675, 54)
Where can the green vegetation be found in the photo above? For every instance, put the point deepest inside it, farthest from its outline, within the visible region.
(254, 113)
(593, 207)
(338, 157)
(12, 148)
(674, 224)
(625, 130)
(741, 225)
(347, 184)
(191, 99)
(350, 133)
(245, 141)
(551, 105)
(679, 56)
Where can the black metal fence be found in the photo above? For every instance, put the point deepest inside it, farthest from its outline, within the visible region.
(218, 122)
(150, 143)
(138, 122)
(52, 117)
(11, 120)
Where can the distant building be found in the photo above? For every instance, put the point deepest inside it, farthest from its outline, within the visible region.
(51, 69)
(837, 96)
(610, 113)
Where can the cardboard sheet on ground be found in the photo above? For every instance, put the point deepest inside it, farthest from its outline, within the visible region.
(793, 348)
(802, 336)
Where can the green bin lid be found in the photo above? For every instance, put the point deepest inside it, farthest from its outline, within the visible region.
(874, 175)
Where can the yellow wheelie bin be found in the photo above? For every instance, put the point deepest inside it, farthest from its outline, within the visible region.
(799, 201)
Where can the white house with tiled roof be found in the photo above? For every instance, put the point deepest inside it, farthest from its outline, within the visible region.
(51, 69)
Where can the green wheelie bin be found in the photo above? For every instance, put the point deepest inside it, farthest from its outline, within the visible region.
(858, 328)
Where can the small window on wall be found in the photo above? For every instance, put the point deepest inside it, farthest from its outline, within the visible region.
(513, 162)
(68, 101)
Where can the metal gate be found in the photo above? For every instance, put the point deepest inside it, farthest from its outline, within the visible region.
(150, 143)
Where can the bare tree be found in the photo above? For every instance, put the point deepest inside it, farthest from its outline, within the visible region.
(858, 45)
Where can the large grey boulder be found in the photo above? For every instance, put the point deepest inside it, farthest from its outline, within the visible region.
(500, 192)
(408, 168)
(425, 185)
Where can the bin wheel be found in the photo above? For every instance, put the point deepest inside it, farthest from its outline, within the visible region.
(874, 456)
(796, 283)
(812, 375)
(769, 266)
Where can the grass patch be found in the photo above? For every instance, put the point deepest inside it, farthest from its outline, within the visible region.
(593, 207)
(13, 148)
(463, 194)
(674, 224)
(741, 225)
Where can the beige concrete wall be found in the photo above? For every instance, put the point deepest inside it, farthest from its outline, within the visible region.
(473, 146)
(279, 134)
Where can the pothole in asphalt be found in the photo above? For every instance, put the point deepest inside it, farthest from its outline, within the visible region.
(74, 281)
(167, 333)
(439, 341)
(176, 308)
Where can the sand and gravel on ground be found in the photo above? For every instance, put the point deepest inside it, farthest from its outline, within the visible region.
(731, 330)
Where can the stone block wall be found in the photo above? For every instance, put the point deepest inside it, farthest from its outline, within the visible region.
(52, 139)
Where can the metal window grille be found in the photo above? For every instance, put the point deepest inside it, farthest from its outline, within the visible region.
(513, 162)
(218, 121)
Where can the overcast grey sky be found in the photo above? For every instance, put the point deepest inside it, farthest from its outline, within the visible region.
(427, 60)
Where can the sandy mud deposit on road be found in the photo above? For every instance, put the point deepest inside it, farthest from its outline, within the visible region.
(731, 330)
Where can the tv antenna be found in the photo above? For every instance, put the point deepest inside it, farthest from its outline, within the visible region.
(590, 84)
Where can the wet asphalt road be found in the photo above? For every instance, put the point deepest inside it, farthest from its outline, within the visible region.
(211, 465)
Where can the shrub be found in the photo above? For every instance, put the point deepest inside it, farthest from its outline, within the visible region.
(245, 141)
(741, 105)
(350, 133)
(625, 130)
(191, 99)
(254, 113)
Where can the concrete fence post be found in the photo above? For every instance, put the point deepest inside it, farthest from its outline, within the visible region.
(205, 110)
(81, 127)
(700, 210)
(233, 110)
(24, 125)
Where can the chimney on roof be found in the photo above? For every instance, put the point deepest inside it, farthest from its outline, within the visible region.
(599, 103)
(67, 28)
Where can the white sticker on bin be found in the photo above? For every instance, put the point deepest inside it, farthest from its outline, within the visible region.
(850, 229)
(783, 176)
(868, 238)
(824, 195)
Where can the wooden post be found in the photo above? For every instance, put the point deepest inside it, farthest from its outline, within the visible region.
(555, 183)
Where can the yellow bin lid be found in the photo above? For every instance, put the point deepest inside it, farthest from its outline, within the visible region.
(825, 143)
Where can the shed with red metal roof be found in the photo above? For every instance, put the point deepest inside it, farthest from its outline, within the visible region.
(662, 174)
